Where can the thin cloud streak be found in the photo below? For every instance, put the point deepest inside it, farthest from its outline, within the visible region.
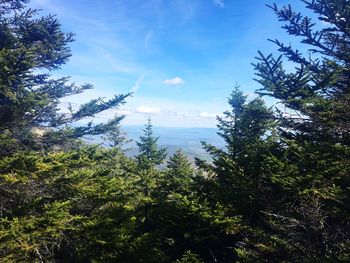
(137, 85)
(148, 38)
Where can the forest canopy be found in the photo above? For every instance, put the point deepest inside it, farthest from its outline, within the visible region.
(279, 191)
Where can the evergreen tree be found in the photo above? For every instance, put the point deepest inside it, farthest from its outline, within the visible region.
(237, 178)
(53, 205)
(317, 93)
(116, 137)
(148, 158)
(313, 172)
(278, 191)
(66, 206)
(31, 47)
(238, 169)
(149, 154)
(179, 164)
(179, 176)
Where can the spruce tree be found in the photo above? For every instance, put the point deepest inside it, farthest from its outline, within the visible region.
(179, 164)
(147, 160)
(179, 175)
(238, 169)
(149, 154)
(314, 130)
(237, 178)
(317, 93)
(30, 48)
(116, 137)
(50, 201)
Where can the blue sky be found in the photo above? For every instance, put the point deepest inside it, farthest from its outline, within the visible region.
(181, 58)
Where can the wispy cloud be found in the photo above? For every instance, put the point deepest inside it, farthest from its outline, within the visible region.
(174, 81)
(149, 110)
(205, 114)
(138, 82)
(104, 44)
(122, 46)
(148, 37)
(219, 3)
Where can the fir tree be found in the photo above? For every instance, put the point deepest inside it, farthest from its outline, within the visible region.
(317, 93)
(149, 154)
(238, 168)
(179, 175)
(179, 164)
(237, 178)
(148, 158)
(116, 137)
(31, 47)
(314, 131)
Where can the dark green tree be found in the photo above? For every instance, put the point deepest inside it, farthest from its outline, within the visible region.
(314, 170)
(116, 137)
(30, 48)
(179, 165)
(317, 93)
(49, 200)
(237, 178)
(67, 206)
(239, 167)
(147, 160)
(149, 154)
(179, 175)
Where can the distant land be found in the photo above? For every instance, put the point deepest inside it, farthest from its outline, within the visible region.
(171, 138)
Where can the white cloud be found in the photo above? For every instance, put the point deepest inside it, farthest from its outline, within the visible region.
(146, 109)
(207, 115)
(174, 81)
(219, 3)
(137, 84)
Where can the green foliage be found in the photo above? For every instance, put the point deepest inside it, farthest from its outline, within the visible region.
(318, 89)
(277, 192)
(189, 257)
(31, 47)
(48, 202)
(238, 178)
(149, 154)
(238, 169)
(179, 175)
(116, 137)
(312, 171)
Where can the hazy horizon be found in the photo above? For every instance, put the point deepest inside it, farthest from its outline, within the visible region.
(188, 139)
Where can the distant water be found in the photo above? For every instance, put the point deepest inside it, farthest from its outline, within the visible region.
(187, 139)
